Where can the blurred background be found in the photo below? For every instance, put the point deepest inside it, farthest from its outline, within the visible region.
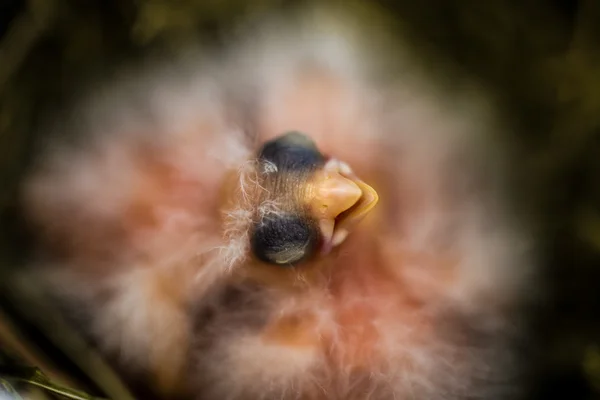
(541, 59)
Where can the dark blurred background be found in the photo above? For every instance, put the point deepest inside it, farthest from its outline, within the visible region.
(541, 59)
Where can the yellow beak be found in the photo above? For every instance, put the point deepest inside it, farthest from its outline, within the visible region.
(339, 200)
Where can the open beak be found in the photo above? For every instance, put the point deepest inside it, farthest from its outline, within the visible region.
(340, 200)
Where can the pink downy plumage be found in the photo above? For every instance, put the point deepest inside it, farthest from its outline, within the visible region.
(149, 257)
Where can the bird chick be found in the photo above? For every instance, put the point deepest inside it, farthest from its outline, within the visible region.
(279, 223)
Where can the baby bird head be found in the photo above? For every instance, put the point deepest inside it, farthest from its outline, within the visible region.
(304, 203)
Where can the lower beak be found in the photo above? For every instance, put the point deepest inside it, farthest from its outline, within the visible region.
(340, 200)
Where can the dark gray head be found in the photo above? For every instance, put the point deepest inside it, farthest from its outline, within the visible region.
(290, 236)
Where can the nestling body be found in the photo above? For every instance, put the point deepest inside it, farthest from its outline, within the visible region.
(281, 223)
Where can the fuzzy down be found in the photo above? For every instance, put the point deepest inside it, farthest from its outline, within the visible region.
(140, 247)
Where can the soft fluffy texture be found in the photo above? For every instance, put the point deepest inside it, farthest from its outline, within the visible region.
(145, 241)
